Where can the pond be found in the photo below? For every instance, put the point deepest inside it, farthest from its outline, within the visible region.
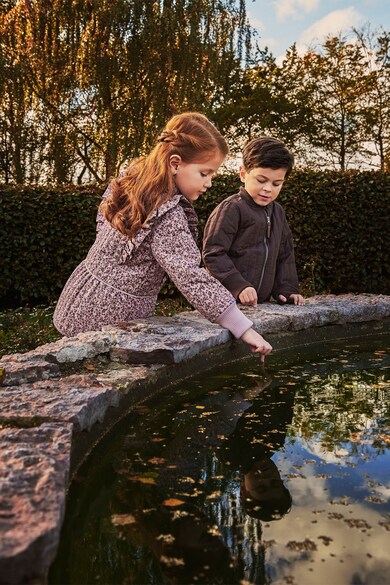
(243, 474)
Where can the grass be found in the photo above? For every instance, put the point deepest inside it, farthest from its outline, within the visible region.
(25, 328)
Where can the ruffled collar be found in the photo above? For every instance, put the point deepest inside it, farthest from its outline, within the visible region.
(177, 199)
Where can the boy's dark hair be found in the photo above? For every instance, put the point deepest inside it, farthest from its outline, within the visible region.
(267, 152)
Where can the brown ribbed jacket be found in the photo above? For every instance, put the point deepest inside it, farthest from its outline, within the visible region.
(248, 245)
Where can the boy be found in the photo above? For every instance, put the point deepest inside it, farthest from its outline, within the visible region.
(247, 242)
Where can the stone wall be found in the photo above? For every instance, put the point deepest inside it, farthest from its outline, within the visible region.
(66, 394)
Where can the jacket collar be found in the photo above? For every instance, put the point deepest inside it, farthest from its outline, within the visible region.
(244, 193)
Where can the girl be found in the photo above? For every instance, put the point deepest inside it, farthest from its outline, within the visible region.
(147, 229)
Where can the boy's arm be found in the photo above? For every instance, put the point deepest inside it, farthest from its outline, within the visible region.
(219, 233)
(286, 278)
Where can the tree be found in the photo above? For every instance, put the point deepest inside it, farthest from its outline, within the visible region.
(342, 84)
(105, 75)
(377, 116)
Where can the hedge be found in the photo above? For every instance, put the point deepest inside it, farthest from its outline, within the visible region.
(45, 234)
(339, 222)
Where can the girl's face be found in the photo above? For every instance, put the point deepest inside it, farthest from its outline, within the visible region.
(193, 179)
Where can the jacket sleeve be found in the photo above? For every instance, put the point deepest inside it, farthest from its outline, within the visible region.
(286, 278)
(175, 250)
(219, 233)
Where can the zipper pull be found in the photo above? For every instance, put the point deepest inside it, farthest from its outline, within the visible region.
(268, 226)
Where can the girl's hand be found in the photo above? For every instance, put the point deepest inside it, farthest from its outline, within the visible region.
(248, 296)
(257, 343)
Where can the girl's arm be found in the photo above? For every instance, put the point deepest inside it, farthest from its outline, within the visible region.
(175, 250)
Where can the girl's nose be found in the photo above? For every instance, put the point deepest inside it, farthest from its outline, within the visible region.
(208, 182)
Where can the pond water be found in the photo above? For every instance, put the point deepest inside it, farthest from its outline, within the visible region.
(242, 475)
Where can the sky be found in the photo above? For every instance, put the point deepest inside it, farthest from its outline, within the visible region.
(280, 23)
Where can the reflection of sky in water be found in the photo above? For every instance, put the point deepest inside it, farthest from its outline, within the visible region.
(326, 427)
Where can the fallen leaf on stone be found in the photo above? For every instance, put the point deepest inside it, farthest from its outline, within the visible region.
(89, 366)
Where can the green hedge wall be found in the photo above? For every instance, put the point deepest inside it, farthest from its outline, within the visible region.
(45, 233)
(339, 221)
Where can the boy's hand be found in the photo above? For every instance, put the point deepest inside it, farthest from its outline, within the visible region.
(248, 296)
(257, 343)
(294, 299)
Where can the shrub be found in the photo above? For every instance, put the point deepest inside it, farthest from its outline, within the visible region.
(45, 234)
(339, 222)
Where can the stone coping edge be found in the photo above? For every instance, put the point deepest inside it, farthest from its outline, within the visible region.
(50, 394)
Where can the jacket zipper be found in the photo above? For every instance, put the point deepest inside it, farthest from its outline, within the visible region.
(267, 236)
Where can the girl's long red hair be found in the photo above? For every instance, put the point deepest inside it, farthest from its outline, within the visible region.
(148, 181)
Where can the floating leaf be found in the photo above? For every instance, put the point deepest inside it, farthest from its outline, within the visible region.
(172, 502)
(157, 460)
(123, 519)
(146, 480)
(167, 538)
(171, 561)
(216, 494)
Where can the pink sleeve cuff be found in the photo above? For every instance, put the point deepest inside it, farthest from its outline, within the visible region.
(234, 320)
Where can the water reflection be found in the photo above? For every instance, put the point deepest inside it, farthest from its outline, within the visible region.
(243, 477)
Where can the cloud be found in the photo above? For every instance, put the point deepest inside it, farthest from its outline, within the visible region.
(255, 22)
(332, 24)
(287, 8)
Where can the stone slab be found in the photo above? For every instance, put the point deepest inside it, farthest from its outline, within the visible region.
(81, 400)
(354, 308)
(123, 377)
(25, 372)
(66, 349)
(33, 480)
(164, 340)
(273, 318)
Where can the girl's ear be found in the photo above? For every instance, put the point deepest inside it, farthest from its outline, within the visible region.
(174, 162)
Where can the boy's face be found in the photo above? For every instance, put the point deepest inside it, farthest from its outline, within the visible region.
(262, 184)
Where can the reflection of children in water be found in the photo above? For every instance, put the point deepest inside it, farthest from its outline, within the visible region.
(243, 430)
(259, 433)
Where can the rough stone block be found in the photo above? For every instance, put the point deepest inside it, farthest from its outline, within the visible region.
(123, 377)
(33, 480)
(353, 308)
(164, 340)
(25, 372)
(66, 349)
(82, 400)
